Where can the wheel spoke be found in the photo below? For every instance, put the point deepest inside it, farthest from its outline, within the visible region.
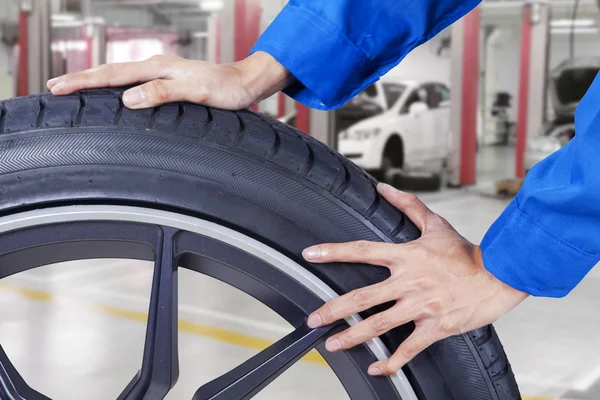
(12, 385)
(160, 367)
(251, 377)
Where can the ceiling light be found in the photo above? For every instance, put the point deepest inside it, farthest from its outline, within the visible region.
(64, 17)
(561, 23)
(566, 31)
(211, 5)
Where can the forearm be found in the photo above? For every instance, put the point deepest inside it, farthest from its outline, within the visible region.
(336, 49)
(548, 238)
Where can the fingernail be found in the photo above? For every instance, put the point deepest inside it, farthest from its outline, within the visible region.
(312, 253)
(52, 82)
(374, 371)
(385, 188)
(333, 345)
(56, 88)
(314, 321)
(133, 97)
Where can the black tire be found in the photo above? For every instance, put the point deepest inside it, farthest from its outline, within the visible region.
(256, 175)
(406, 182)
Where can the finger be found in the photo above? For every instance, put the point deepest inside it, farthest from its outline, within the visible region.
(370, 328)
(408, 203)
(362, 251)
(419, 340)
(351, 303)
(109, 75)
(154, 93)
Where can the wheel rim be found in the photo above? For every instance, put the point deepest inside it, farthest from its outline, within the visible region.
(41, 237)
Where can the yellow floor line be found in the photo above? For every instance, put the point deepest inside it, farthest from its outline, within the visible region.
(223, 335)
(193, 328)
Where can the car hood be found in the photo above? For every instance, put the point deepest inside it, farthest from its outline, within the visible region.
(369, 123)
(356, 111)
(569, 81)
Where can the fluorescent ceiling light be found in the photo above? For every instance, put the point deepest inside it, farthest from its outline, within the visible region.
(577, 31)
(64, 17)
(67, 24)
(560, 23)
(211, 5)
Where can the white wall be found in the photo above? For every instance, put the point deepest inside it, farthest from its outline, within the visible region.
(424, 64)
(502, 66)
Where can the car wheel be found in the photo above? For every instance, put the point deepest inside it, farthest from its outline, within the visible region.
(232, 195)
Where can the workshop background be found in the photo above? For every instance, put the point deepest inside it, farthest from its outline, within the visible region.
(459, 121)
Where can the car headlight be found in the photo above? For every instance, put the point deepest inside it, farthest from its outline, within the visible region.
(544, 144)
(359, 134)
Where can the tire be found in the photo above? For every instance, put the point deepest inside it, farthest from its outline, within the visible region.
(244, 171)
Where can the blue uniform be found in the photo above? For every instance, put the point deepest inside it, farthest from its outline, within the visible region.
(548, 238)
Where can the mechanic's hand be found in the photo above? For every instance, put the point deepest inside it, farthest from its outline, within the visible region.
(438, 281)
(168, 79)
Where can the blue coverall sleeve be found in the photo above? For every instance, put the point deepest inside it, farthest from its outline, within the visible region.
(336, 48)
(549, 236)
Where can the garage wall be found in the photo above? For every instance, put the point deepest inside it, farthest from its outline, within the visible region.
(502, 66)
(423, 63)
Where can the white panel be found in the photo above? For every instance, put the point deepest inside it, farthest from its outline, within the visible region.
(456, 102)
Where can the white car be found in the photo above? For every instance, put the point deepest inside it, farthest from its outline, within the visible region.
(411, 134)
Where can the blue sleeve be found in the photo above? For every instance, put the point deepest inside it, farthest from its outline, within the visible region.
(548, 238)
(336, 48)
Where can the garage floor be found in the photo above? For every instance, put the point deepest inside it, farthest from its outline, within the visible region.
(75, 331)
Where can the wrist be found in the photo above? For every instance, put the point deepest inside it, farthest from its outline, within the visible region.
(262, 75)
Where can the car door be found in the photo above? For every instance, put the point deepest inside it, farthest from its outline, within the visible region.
(415, 128)
(439, 97)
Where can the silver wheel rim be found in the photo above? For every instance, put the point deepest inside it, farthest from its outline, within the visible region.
(209, 229)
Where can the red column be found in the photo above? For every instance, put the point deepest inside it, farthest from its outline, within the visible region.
(470, 97)
(303, 118)
(23, 72)
(280, 105)
(85, 32)
(523, 92)
(218, 40)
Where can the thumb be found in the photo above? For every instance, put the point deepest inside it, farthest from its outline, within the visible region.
(152, 94)
(408, 203)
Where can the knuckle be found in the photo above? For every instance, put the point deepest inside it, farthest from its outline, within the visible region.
(407, 352)
(388, 368)
(447, 326)
(362, 247)
(326, 314)
(363, 297)
(411, 199)
(157, 58)
(381, 324)
(435, 305)
(346, 339)
(160, 92)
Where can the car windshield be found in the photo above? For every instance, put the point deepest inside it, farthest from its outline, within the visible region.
(572, 84)
(392, 91)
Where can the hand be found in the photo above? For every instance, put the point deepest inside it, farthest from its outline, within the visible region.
(438, 281)
(169, 79)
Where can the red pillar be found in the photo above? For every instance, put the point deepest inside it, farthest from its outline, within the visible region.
(218, 40)
(280, 105)
(303, 118)
(23, 72)
(523, 92)
(470, 97)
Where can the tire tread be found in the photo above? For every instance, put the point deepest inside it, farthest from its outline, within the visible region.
(258, 138)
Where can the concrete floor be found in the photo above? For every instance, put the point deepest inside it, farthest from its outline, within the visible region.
(75, 331)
